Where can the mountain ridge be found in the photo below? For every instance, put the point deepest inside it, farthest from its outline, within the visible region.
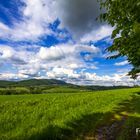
(32, 82)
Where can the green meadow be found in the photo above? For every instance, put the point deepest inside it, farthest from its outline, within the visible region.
(89, 115)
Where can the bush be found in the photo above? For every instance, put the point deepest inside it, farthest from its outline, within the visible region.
(14, 91)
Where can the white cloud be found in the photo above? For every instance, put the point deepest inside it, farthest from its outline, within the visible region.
(123, 70)
(15, 56)
(55, 64)
(63, 56)
(97, 34)
(63, 51)
(37, 14)
(62, 73)
(122, 63)
(86, 78)
(12, 76)
(83, 78)
(78, 16)
(53, 53)
(3, 26)
(109, 54)
(6, 52)
(106, 80)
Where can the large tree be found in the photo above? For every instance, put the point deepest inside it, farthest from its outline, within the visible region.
(124, 16)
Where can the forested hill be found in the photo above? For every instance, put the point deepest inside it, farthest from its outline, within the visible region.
(53, 83)
(32, 82)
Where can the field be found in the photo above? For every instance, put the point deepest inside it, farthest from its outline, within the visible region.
(96, 115)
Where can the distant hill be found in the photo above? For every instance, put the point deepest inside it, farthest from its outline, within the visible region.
(53, 83)
(5, 83)
(32, 82)
(44, 86)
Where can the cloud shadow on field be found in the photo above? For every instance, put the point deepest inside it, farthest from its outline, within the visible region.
(99, 125)
(75, 129)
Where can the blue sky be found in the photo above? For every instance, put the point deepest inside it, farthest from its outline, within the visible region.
(59, 40)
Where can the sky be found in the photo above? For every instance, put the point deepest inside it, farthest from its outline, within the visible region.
(58, 39)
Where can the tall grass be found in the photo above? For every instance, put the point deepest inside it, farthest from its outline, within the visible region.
(58, 116)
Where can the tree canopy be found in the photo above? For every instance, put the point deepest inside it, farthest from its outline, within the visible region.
(124, 16)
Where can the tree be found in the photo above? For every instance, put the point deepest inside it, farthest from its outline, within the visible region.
(124, 16)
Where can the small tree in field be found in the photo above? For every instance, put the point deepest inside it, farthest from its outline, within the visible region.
(124, 15)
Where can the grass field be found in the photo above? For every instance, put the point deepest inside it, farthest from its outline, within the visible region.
(71, 116)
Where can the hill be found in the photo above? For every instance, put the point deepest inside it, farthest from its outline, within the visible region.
(32, 82)
(55, 84)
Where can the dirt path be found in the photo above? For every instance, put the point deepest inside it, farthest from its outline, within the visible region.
(111, 132)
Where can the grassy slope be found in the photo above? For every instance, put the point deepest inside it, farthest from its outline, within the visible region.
(64, 116)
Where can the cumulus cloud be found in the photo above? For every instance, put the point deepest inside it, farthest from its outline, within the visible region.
(63, 51)
(62, 62)
(62, 73)
(82, 78)
(86, 78)
(12, 76)
(6, 52)
(63, 56)
(53, 53)
(14, 56)
(97, 34)
(122, 63)
(36, 16)
(78, 16)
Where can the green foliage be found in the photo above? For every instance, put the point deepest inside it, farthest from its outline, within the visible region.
(14, 91)
(124, 15)
(62, 116)
(34, 86)
(61, 89)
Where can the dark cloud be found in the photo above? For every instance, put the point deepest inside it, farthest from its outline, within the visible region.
(79, 16)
